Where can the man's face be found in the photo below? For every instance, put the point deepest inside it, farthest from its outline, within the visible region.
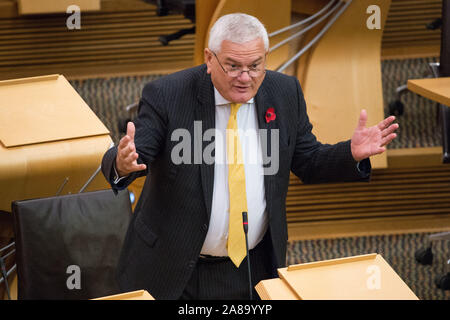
(244, 56)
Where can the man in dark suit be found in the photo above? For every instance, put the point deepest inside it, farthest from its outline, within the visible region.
(178, 245)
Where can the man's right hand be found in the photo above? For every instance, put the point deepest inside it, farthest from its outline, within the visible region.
(126, 160)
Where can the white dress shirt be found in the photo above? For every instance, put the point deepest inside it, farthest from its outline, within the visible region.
(216, 239)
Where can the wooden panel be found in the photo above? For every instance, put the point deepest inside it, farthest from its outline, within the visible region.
(435, 89)
(52, 6)
(9, 8)
(124, 5)
(325, 279)
(368, 226)
(411, 157)
(345, 64)
(308, 7)
(23, 169)
(413, 52)
(132, 295)
(204, 10)
(50, 109)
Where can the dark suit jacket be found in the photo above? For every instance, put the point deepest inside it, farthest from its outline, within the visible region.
(171, 219)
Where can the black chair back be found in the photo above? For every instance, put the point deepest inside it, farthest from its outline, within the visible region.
(68, 246)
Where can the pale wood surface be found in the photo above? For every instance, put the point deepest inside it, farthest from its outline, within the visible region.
(436, 89)
(52, 6)
(344, 76)
(308, 7)
(414, 157)
(346, 278)
(332, 262)
(38, 170)
(132, 295)
(411, 52)
(363, 227)
(47, 133)
(275, 289)
(204, 10)
(44, 109)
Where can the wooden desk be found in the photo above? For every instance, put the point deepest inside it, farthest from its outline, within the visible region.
(47, 134)
(436, 89)
(363, 277)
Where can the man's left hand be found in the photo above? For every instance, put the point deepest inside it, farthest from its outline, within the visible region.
(370, 141)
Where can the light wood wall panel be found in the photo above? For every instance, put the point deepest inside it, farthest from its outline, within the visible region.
(343, 76)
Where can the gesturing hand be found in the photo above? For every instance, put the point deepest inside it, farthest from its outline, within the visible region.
(370, 141)
(126, 160)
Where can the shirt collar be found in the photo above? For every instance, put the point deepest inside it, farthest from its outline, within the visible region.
(222, 101)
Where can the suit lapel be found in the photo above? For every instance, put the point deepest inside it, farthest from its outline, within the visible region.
(205, 112)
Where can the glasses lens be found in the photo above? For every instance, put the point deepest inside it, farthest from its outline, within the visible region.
(251, 73)
(234, 73)
(254, 73)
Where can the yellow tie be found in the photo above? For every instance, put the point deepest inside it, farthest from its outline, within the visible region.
(236, 185)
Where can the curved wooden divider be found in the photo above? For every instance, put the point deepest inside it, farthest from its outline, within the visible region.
(343, 76)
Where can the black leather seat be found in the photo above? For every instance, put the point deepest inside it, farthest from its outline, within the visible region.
(68, 246)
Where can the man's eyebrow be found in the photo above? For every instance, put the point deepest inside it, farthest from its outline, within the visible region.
(230, 60)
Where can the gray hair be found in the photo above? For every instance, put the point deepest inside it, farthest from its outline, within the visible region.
(237, 28)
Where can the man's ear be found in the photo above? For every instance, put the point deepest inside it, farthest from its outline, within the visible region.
(208, 59)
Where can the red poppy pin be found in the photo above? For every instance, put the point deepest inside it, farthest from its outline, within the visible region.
(270, 115)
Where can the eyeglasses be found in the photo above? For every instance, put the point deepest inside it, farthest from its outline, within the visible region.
(235, 72)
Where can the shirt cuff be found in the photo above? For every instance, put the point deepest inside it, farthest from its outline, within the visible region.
(364, 167)
(116, 178)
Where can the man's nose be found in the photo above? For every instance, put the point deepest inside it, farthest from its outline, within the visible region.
(244, 76)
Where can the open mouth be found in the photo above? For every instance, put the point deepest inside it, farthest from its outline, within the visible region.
(242, 88)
